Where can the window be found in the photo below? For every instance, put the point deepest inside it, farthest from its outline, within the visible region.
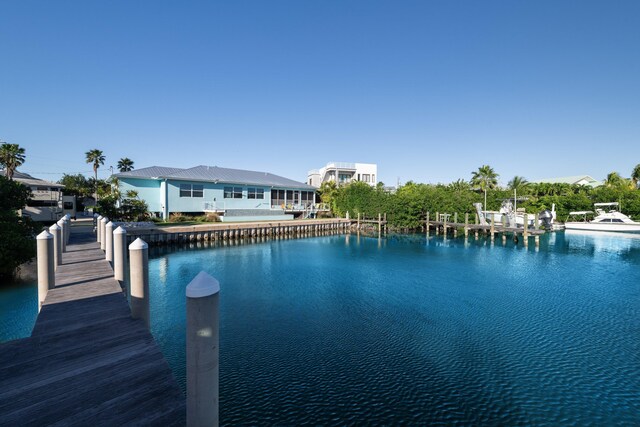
(185, 190)
(188, 190)
(233, 192)
(255, 193)
(366, 177)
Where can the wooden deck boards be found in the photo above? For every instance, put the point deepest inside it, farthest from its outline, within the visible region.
(87, 361)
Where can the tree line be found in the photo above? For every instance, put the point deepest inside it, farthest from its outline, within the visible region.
(17, 244)
(407, 207)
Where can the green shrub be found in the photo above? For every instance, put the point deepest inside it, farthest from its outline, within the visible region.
(17, 244)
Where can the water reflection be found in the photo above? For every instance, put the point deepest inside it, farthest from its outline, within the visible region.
(595, 242)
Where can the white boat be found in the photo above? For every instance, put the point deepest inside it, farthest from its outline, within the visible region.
(606, 218)
(516, 217)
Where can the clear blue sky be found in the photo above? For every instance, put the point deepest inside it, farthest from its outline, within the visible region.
(429, 90)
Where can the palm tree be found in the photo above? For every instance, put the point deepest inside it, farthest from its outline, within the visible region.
(97, 158)
(635, 175)
(613, 180)
(459, 185)
(485, 178)
(11, 156)
(518, 183)
(125, 164)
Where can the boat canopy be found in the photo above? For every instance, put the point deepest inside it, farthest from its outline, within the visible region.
(606, 204)
(580, 212)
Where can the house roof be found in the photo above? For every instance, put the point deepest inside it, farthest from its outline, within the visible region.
(27, 179)
(215, 174)
(572, 180)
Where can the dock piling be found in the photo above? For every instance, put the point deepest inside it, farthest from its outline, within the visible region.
(108, 242)
(63, 233)
(139, 273)
(120, 255)
(203, 298)
(56, 232)
(98, 222)
(103, 224)
(46, 271)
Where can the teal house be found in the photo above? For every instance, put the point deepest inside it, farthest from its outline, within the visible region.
(234, 194)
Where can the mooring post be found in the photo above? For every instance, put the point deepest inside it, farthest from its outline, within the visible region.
(56, 232)
(98, 223)
(46, 268)
(358, 227)
(385, 223)
(525, 232)
(120, 256)
(139, 274)
(203, 299)
(537, 239)
(493, 228)
(535, 221)
(427, 231)
(103, 225)
(379, 224)
(444, 225)
(67, 221)
(65, 225)
(466, 224)
(108, 242)
(437, 220)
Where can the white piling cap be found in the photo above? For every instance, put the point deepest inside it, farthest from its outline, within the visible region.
(104, 219)
(60, 222)
(110, 224)
(45, 235)
(120, 230)
(99, 217)
(138, 245)
(55, 227)
(202, 285)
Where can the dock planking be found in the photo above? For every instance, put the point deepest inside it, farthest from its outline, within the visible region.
(87, 361)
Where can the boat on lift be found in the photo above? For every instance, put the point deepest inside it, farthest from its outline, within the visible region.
(515, 217)
(606, 217)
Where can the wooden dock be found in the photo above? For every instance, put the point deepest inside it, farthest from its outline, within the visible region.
(87, 361)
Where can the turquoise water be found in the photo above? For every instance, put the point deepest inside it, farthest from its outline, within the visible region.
(408, 330)
(341, 329)
(18, 310)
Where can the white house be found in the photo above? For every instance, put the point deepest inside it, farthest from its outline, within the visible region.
(344, 173)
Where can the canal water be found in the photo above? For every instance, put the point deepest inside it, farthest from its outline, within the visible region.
(408, 329)
(343, 330)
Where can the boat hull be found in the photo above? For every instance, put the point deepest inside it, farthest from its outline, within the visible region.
(612, 227)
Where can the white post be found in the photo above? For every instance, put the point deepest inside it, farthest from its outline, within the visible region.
(108, 242)
(203, 295)
(56, 231)
(67, 220)
(46, 272)
(98, 222)
(120, 255)
(63, 226)
(139, 274)
(103, 224)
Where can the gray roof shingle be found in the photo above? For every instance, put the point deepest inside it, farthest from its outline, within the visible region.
(216, 174)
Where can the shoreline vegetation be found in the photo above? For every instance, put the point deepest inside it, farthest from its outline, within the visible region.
(407, 207)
